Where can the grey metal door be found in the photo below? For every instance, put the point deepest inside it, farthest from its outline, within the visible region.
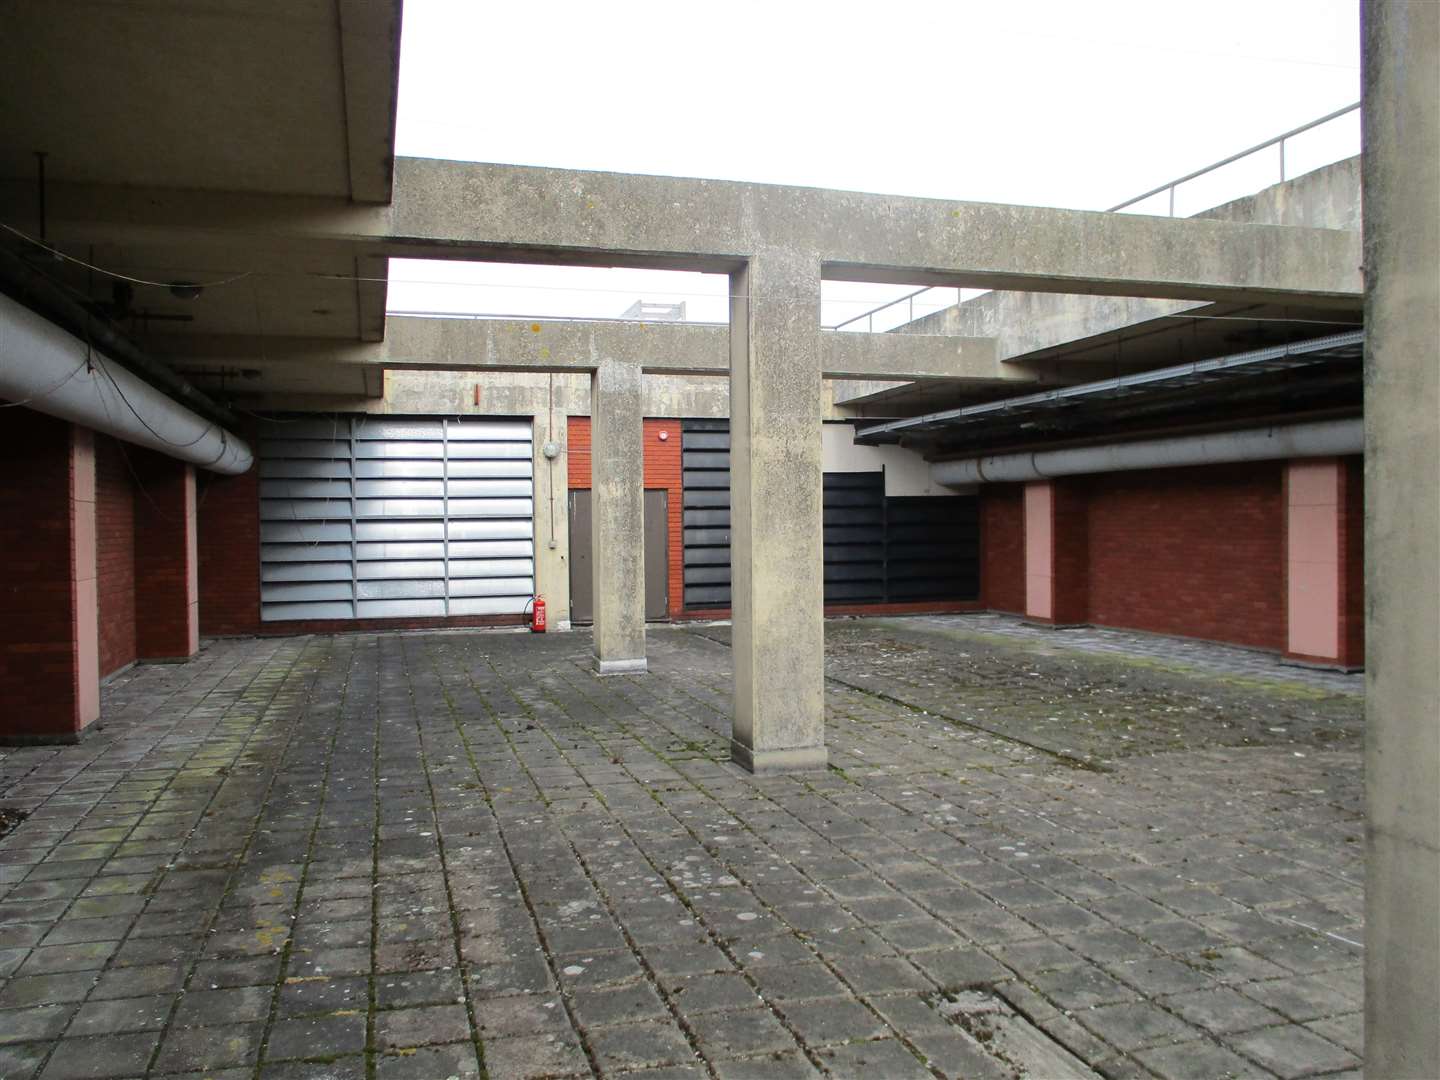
(389, 517)
(657, 557)
(582, 577)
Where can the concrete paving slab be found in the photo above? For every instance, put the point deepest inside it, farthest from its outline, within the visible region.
(411, 854)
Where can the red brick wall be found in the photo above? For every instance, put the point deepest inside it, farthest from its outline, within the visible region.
(228, 516)
(662, 470)
(163, 519)
(39, 690)
(577, 451)
(1196, 552)
(115, 553)
(1070, 552)
(1002, 547)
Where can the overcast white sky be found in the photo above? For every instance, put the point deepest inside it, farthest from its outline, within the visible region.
(1048, 102)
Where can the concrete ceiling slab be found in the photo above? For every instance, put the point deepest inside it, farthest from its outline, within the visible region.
(277, 96)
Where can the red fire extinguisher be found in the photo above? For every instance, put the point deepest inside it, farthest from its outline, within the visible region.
(537, 620)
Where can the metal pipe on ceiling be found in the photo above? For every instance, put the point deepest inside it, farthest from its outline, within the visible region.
(1322, 438)
(53, 300)
(52, 371)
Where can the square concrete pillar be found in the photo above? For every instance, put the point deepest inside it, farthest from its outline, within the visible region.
(1057, 553)
(1320, 563)
(1401, 199)
(49, 612)
(167, 587)
(617, 509)
(776, 514)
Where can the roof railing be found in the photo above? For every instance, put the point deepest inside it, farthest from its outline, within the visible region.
(1278, 140)
(868, 317)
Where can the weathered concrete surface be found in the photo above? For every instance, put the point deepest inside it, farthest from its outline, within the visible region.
(324, 112)
(525, 393)
(617, 514)
(1025, 323)
(570, 346)
(1402, 536)
(1325, 198)
(517, 213)
(426, 855)
(868, 237)
(776, 518)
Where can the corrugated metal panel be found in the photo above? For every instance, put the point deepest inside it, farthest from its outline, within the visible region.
(386, 517)
(854, 509)
(932, 548)
(705, 477)
(878, 549)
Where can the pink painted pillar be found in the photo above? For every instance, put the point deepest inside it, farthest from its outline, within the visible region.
(1057, 553)
(49, 604)
(1317, 562)
(1040, 550)
(86, 578)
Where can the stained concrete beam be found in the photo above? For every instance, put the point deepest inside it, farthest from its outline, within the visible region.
(447, 209)
(458, 344)
(369, 43)
(913, 356)
(866, 237)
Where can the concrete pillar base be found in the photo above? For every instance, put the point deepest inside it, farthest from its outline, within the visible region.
(791, 759)
(1320, 664)
(638, 666)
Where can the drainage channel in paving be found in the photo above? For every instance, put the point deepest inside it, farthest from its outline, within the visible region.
(460, 854)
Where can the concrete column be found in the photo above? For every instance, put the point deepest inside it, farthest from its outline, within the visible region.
(49, 602)
(1401, 183)
(167, 593)
(1057, 553)
(617, 510)
(776, 516)
(552, 518)
(1318, 566)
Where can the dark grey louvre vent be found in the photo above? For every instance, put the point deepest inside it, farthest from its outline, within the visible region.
(878, 549)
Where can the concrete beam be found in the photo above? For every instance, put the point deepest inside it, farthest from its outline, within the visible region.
(913, 356)
(369, 50)
(446, 209)
(372, 289)
(617, 513)
(459, 344)
(863, 237)
(1401, 125)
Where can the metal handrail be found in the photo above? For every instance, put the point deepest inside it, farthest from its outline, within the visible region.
(1276, 140)
(869, 316)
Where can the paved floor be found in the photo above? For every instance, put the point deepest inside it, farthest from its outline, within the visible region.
(439, 855)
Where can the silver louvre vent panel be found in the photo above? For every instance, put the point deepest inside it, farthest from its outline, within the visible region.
(388, 518)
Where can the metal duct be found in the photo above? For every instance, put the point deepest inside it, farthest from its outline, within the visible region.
(1322, 438)
(52, 371)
